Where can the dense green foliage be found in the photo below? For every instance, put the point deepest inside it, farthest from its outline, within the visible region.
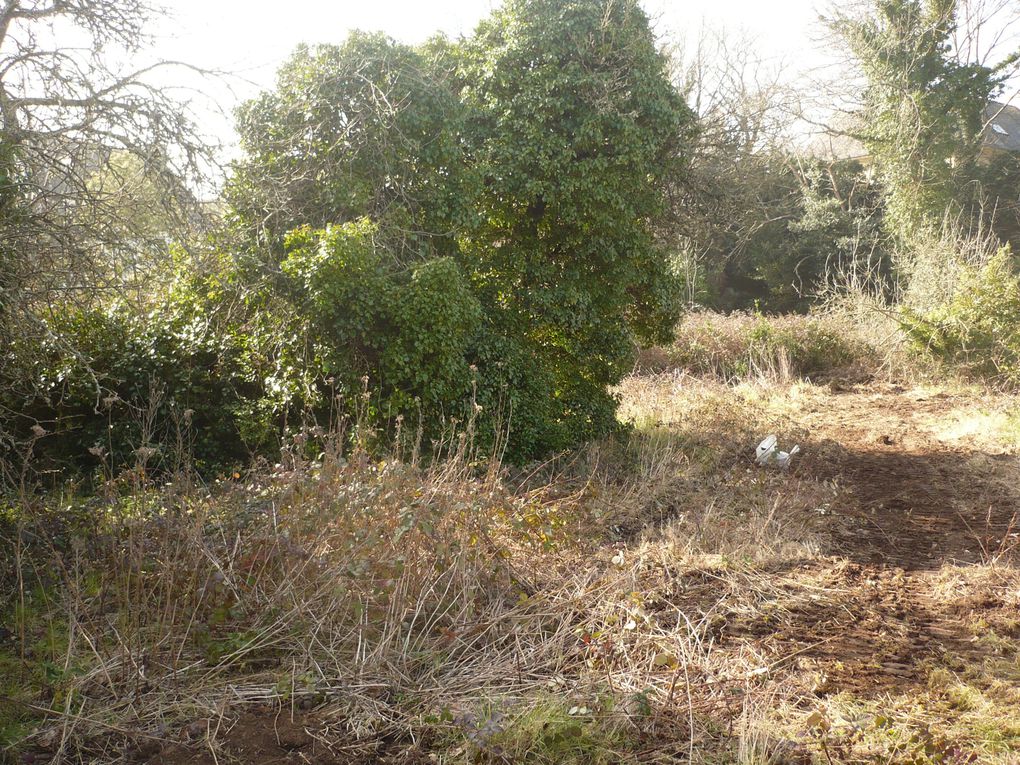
(369, 128)
(529, 156)
(979, 327)
(483, 231)
(158, 390)
(993, 190)
(421, 233)
(361, 317)
(779, 227)
(577, 125)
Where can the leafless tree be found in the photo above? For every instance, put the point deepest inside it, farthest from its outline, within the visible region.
(84, 130)
(987, 33)
(745, 105)
(99, 163)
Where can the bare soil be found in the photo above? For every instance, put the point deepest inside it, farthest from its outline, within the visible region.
(922, 493)
(265, 737)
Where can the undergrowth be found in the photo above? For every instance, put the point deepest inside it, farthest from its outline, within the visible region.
(620, 603)
(975, 330)
(739, 347)
(501, 614)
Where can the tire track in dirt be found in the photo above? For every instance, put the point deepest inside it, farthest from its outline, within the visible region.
(910, 508)
(914, 501)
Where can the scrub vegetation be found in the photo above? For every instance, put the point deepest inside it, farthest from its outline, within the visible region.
(431, 438)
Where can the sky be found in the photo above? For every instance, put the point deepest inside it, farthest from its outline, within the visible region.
(251, 39)
(238, 34)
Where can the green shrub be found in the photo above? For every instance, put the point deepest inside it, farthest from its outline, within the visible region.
(509, 178)
(475, 242)
(109, 388)
(407, 330)
(978, 328)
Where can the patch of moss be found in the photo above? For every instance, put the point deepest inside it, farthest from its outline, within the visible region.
(546, 730)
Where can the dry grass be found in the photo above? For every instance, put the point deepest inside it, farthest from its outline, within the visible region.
(963, 712)
(647, 599)
(741, 347)
(393, 598)
(326, 585)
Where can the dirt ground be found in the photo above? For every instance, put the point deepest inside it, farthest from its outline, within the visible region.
(926, 487)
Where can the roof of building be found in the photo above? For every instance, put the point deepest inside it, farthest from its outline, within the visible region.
(1003, 131)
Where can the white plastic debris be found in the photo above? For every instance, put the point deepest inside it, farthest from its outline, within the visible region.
(766, 449)
(768, 452)
(783, 458)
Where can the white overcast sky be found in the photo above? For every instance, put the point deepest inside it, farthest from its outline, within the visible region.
(251, 37)
(245, 33)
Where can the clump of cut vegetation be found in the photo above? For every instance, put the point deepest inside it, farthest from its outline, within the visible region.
(742, 346)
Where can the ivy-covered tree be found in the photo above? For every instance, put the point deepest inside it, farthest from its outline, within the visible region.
(368, 128)
(529, 155)
(575, 125)
(922, 115)
(463, 225)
